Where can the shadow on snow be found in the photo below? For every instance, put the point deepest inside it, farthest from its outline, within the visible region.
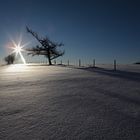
(134, 76)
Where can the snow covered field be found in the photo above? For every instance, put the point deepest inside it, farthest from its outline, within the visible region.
(60, 103)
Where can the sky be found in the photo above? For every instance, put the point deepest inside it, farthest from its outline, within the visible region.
(90, 29)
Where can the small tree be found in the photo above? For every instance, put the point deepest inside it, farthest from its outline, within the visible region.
(10, 59)
(46, 48)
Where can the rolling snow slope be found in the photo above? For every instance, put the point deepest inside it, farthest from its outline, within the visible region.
(51, 102)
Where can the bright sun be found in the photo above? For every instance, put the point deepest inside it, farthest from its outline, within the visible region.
(18, 49)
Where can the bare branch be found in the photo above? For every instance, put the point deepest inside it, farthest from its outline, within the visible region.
(47, 48)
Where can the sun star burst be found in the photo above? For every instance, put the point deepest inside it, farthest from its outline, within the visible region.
(18, 49)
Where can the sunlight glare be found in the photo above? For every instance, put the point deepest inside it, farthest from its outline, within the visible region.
(18, 49)
(16, 68)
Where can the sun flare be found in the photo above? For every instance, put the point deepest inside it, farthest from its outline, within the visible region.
(18, 49)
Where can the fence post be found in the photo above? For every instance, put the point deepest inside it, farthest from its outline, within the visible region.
(115, 67)
(61, 62)
(79, 63)
(68, 62)
(93, 62)
(55, 62)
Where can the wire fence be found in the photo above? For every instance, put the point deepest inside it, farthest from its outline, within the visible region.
(80, 63)
(115, 66)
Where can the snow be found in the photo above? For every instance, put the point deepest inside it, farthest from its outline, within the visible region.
(54, 102)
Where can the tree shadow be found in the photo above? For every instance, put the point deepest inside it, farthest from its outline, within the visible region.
(133, 76)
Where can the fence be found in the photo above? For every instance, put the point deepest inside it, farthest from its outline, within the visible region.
(79, 63)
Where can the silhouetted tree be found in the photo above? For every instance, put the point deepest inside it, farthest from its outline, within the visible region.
(10, 59)
(47, 47)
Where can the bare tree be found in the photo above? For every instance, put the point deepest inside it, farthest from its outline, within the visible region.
(10, 59)
(47, 47)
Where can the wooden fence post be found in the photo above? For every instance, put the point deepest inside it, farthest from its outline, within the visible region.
(55, 62)
(93, 62)
(79, 63)
(115, 67)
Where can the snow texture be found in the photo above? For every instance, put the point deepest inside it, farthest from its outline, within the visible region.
(61, 103)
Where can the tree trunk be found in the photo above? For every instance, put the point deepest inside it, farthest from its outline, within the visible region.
(50, 63)
(49, 58)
